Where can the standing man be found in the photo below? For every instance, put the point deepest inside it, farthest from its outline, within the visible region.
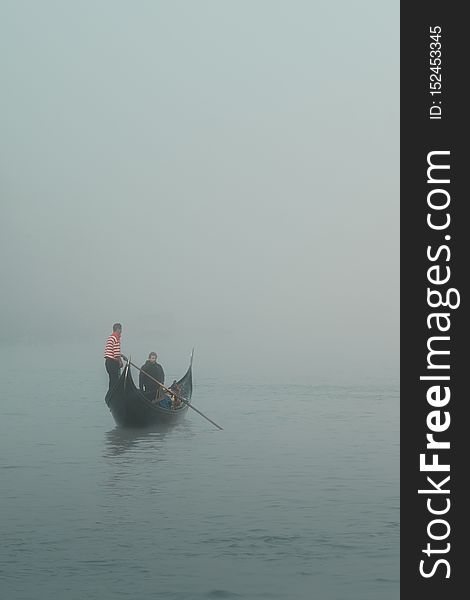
(112, 355)
(155, 370)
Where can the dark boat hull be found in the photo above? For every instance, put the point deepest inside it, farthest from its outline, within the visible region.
(131, 408)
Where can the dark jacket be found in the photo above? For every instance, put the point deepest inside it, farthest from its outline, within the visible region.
(154, 370)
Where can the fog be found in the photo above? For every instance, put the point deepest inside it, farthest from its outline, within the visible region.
(222, 175)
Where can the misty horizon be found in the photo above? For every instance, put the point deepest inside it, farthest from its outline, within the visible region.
(210, 175)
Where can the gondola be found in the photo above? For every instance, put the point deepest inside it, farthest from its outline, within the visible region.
(132, 408)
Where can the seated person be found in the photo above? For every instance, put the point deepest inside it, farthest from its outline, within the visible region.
(165, 402)
(149, 387)
(171, 401)
(176, 388)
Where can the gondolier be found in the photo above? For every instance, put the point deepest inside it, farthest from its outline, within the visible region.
(112, 355)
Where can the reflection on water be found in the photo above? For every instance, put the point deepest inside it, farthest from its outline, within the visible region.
(123, 439)
(120, 440)
(142, 459)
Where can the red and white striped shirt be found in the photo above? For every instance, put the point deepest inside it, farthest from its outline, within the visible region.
(113, 347)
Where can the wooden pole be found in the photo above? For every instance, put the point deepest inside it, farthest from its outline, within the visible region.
(172, 393)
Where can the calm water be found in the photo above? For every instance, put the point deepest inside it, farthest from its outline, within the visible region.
(296, 499)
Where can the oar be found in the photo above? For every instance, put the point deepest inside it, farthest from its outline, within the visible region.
(172, 393)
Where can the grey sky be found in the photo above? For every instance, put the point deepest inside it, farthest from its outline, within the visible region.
(221, 174)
